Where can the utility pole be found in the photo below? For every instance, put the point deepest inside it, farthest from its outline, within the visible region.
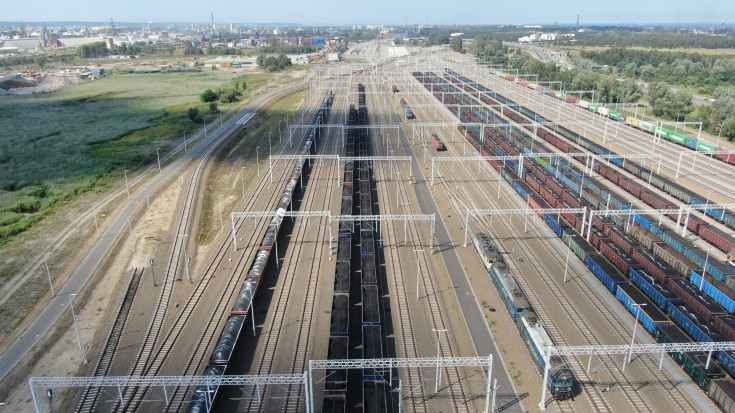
(153, 274)
(94, 214)
(438, 355)
(186, 258)
(127, 188)
(48, 273)
(76, 327)
(221, 221)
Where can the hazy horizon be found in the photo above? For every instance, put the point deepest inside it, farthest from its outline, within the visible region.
(382, 12)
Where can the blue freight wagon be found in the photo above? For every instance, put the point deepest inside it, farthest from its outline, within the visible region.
(637, 303)
(720, 296)
(654, 288)
(646, 220)
(694, 324)
(606, 272)
(554, 221)
(714, 268)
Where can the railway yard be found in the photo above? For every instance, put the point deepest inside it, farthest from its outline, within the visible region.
(421, 209)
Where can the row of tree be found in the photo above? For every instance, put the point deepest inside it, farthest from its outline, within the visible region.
(660, 39)
(710, 74)
(719, 118)
(273, 63)
(703, 71)
(224, 94)
(96, 49)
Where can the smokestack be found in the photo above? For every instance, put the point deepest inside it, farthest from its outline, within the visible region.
(577, 23)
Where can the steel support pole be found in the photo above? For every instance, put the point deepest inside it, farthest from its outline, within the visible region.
(309, 384)
(48, 273)
(487, 389)
(234, 234)
(34, 396)
(542, 403)
(566, 266)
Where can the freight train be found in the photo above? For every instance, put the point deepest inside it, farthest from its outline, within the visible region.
(561, 381)
(698, 315)
(650, 127)
(204, 396)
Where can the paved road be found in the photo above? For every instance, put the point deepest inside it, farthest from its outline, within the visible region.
(99, 251)
(507, 396)
(545, 55)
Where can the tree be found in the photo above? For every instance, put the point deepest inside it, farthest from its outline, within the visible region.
(193, 114)
(647, 72)
(724, 105)
(208, 96)
(489, 50)
(41, 61)
(457, 44)
(728, 129)
(674, 104)
(213, 107)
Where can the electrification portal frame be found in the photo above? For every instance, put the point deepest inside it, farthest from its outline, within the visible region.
(165, 382)
(511, 212)
(628, 350)
(589, 165)
(339, 158)
(378, 218)
(271, 214)
(395, 363)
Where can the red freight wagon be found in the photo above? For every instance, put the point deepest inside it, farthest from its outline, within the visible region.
(619, 257)
(657, 267)
(719, 238)
(725, 324)
(700, 303)
(631, 186)
(597, 237)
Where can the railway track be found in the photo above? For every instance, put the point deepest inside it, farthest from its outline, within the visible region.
(141, 366)
(454, 384)
(635, 140)
(287, 296)
(632, 199)
(144, 365)
(198, 355)
(583, 328)
(89, 400)
(406, 339)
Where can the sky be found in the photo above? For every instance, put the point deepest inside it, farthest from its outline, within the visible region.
(335, 12)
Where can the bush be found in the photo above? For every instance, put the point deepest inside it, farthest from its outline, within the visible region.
(229, 96)
(208, 96)
(193, 114)
(213, 107)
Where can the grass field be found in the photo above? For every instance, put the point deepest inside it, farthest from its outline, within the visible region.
(55, 145)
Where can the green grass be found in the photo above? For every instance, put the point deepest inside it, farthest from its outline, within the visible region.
(56, 145)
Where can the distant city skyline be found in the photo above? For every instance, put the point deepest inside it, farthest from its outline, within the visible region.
(333, 12)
